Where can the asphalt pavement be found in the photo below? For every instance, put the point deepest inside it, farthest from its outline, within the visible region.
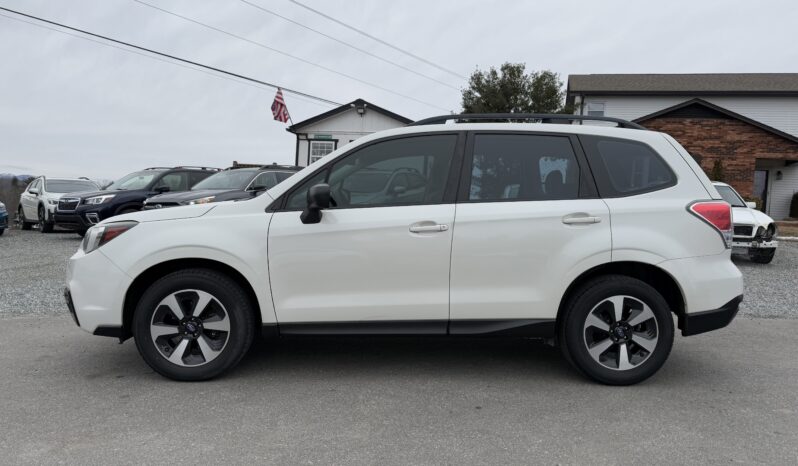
(724, 397)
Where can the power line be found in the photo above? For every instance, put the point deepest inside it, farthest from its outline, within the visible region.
(363, 51)
(272, 49)
(155, 52)
(366, 34)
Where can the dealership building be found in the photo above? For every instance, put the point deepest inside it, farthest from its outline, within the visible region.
(747, 122)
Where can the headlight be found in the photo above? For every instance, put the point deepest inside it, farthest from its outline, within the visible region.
(99, 235)
(52, 201)
(202, 200)
(99, 199)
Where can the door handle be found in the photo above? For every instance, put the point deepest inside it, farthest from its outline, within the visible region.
(428, 228)
(580, 219)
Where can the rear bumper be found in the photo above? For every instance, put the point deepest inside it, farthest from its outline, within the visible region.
(700, 322)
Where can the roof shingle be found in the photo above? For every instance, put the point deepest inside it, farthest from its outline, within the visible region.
(709, 83)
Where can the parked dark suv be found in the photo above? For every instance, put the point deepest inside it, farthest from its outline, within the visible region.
(227, 185)
(127, 194)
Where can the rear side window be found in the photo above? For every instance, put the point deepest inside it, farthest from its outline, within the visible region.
(507, 167)
(625, 168)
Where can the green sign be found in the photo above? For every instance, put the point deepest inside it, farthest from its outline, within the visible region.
(322, 136)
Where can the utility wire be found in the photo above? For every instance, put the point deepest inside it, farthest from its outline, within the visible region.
(363, 51)
(272, 49)
(161, 54)
(366, 34)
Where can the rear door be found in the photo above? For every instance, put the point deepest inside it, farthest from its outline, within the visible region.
(528, 222)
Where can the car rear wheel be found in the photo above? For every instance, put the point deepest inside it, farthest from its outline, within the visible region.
(22, 221)
(44, 225)
(762, 256)
(616, 330)
(193, 324)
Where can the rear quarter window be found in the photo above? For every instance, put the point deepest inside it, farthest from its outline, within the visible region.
(625, 168)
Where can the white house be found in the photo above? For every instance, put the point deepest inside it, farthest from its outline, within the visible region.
(322, 134)
(748, 123)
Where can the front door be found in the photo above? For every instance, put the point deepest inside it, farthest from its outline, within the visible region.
(525, 227)
(379, 258)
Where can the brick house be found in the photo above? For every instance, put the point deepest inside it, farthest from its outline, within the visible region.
(746, 122)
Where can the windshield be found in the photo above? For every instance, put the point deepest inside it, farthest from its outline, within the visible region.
(69, 186)
(137, 180)
(230, 179)
(729, 195)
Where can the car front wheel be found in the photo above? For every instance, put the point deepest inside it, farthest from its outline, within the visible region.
(762, 256)
(193, 324)
(44, 225)
(616, 330)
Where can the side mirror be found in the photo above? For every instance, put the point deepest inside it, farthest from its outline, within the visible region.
(162, 189)
(398, 190)
(318, 199)
(751, 204)
(34, 191)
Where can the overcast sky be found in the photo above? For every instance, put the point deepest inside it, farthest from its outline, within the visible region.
(71, 107)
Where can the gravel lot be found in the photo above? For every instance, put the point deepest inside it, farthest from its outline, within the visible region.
(32, 271)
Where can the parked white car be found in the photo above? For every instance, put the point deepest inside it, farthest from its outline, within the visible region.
(38, 202)
(754, 231)
(507, 234)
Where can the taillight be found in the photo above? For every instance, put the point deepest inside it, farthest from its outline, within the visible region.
(718, 214)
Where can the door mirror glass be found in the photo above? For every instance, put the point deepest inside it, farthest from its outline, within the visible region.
(318, 199)
(33, 191)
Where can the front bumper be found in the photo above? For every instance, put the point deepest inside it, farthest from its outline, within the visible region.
(744, 244)
(79, 220)
(3, 221)
(96, 288)
(700, 322)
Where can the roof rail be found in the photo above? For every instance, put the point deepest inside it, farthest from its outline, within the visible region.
(182, 166)
(276, 165)
(543, 117)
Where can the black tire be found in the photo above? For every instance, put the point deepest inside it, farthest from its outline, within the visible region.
(23, 222)
(573, 330)
(762, 256)
(236, 307)
(44, 225)
(128, 210)
(2, 230)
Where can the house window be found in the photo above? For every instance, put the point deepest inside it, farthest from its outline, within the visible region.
(319, 149)
(595, 108)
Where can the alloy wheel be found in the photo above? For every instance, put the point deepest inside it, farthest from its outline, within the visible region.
(620, 332)
(190, 328)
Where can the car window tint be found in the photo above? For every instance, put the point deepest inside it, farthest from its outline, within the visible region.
(174, 181)
(380, 174)
(196, 177)
(523, 168)
(266, 180)
(625, 168)
(405, 171)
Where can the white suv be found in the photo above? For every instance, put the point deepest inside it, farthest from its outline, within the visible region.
(40, 198)
(589, 236)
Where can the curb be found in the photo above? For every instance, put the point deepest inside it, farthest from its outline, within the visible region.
(787, 238)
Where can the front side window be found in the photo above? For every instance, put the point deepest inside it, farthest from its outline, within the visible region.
(265, 180)
(174, 181)
(227, 179)
(523, 168)
(405, 171)
(624, 168)
(319, 149)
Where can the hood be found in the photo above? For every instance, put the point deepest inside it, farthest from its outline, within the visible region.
(189, 211)
(187, 195)
(87, 194)
(745, 215)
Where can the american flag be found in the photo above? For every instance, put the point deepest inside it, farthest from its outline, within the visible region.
(279, 110)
